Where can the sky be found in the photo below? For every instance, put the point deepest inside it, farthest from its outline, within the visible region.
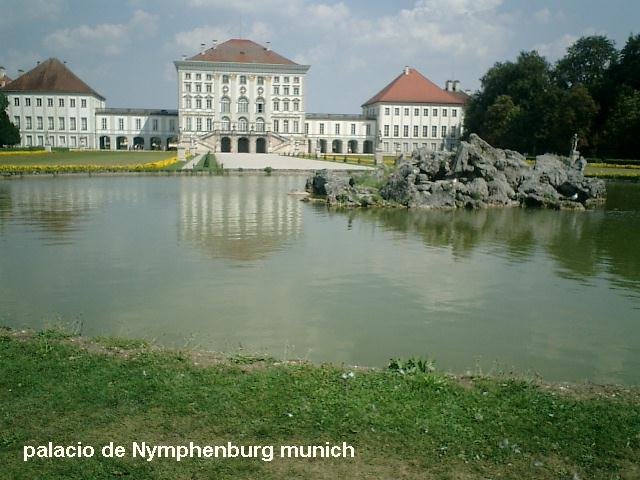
(125, 49)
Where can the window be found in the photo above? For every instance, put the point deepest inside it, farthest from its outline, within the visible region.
(155, 125)
(16, 121)
(260, 80)
(260, 124)
(396, 111)
(187, 87)
(209, 77)
(40, 140)
(416, 112)
(188, 125)
(16, 102)
(39, 123)
(199, 124)
(172, 125)
(296, 126)
(60, 123)
(286, 79)
(72, 123)
(225, 105)
(405, 131)
(306, 129)
(38, 102)
(225, 78)
(276, 126)
(353, 129)
(454, 112)
(337, 129)
(72, 103)
(406, 146)
(83, 103)
(187, 102)
(444, 130)
(285, 124)
(396, 131)
(444, 112)
(296, 90)
(121, 124)
(138, 124)
(49, 102)
(296, 105)
(406, 111)
(29, 141)
(209, 124)
(209, 104)
(425, 112)
(296, 79)
(434, 112)
(243, 79)
(276, 79)
(260, 105)
(61, 141)
(276, 106)
(322, 129)
(226, 124)
(368, 129)
(434, 133)
(453, 131)
(187, 76)
(198, 76)
(28, 125)
(243, 124)
(27, 102)
(61, 102)
(286, 105)
(104, 124)
(387, 110)
(50, 123)
(208, 88)
(285, 90)
(425, 131)
(198, 87)
(198, 103)
(243, 105)
(415, 130)
(73, 142)
(276, 90)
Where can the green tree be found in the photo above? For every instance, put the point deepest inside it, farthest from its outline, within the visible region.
(9, 133)
(627, 71)
(586, 63)
(574, 112)
(500, 120)
(619, 138)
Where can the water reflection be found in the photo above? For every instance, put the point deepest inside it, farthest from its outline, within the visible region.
(239, 218)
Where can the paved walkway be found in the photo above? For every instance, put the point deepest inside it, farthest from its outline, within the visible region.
(192, 163)
(258, 161)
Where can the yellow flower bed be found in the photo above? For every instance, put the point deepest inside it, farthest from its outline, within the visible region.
(24, 152)
(34, 169)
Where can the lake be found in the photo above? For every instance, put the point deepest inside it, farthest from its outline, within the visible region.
(234, 264)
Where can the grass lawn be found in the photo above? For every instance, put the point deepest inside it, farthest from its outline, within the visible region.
(104, 158)
(613, 171)
(411, 425)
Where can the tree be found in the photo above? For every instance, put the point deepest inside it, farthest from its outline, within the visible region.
(575, 111)
(9, 133)
(500, 121)
(586, 63)
(628, 70)
(619, 137)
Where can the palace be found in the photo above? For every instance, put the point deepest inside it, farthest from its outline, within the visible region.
(237, 96)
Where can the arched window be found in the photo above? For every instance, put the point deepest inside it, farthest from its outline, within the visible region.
(226, 124)
(225, 105)
(260, 105)
(243, 105)
(259, 124)
(243, 124)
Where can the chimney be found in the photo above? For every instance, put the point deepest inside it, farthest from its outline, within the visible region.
(268, 46)
(406, 70)
(456, 85)
(447, 85)
(215, 44)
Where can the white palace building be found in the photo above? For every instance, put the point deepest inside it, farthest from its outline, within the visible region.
(237, 96)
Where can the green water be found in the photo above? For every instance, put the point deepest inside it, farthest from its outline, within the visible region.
(235, 263)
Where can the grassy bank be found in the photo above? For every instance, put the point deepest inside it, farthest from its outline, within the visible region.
(410, 425)
(85, 161)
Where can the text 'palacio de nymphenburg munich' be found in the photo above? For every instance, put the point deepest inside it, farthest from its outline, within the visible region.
(237, 96)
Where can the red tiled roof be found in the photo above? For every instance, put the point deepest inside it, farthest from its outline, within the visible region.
(51, 76)
(413, 87)
(242, 51)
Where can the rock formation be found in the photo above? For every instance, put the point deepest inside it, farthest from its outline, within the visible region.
(477, 175)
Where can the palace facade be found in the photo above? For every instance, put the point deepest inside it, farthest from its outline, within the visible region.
(237, 96)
